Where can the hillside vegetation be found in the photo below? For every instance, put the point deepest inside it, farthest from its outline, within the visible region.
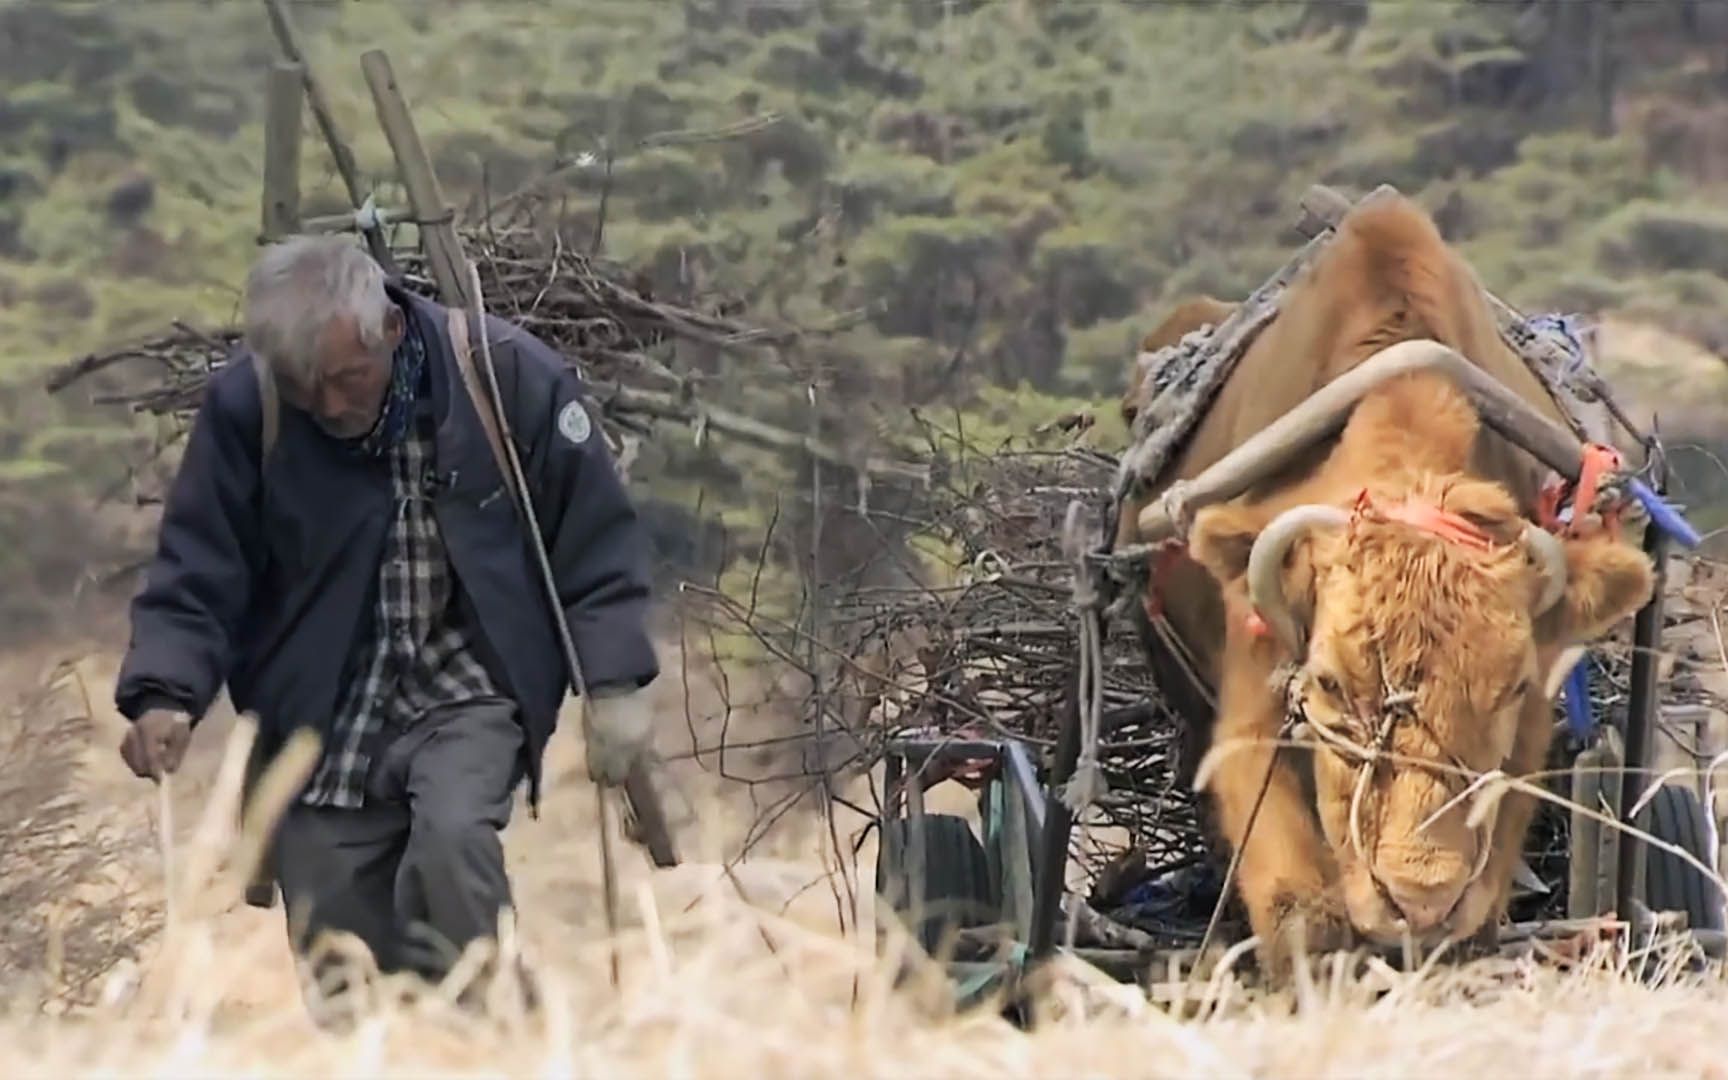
(978, 204)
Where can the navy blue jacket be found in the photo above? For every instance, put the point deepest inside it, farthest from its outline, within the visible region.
(271, 586)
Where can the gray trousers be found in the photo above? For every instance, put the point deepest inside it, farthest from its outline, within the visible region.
(418, 872)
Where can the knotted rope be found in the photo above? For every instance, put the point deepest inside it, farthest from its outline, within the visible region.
(1087, 784)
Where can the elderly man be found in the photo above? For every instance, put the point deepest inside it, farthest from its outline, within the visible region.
(370, 579)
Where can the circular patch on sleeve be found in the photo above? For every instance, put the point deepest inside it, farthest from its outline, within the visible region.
(573, 423)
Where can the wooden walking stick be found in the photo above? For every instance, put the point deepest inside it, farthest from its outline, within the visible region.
(651, 821)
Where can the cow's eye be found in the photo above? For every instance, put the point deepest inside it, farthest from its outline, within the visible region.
(1512, 695)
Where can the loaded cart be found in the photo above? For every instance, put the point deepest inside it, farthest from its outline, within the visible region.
(1107, 745)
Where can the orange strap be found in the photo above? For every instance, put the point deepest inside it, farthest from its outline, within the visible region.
(1596, 463)
(1599, 461)
(1430, 518)
(1418, 514)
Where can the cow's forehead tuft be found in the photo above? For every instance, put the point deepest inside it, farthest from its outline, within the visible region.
(1414, 612)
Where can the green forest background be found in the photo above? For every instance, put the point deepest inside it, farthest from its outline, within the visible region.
(981, 204)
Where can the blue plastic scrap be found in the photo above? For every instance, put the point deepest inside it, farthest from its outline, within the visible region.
(1663, 516)
(1572, 333)
(1580, 718)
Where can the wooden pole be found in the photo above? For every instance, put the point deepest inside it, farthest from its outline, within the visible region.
(335, 223)
(425, 196)
(282, 151)
(667, 406)
(1644, 693)
(1325, 412)
(346, 166)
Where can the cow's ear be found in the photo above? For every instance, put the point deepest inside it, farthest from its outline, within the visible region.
(1222, 539)
(1606, 580)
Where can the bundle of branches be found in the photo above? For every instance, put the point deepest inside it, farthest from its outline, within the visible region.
(180, 361)
(983, 641)
(596, 312)
(998, 647)
(600, 313)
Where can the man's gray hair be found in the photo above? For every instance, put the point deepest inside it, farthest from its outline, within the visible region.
(297, 286)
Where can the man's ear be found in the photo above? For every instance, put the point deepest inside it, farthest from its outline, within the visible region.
(1222, 538)
(1606, 580)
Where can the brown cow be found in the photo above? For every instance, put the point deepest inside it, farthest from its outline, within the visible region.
(1426, 617)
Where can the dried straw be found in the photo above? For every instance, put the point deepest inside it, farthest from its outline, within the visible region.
(703, 996)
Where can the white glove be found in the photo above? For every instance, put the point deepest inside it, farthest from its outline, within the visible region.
(619, 728)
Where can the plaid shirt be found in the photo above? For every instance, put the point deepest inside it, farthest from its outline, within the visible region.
(419, 654)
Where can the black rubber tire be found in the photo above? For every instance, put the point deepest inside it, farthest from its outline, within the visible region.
(1676, 814)
(958, 890)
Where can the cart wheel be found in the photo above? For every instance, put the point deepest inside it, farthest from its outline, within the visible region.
(1676, 814)
(957, 891)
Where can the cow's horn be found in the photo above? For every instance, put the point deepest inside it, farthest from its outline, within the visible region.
(1266, 565)
(1550, 558)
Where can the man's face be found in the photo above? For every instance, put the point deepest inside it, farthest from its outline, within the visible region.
(349, 381)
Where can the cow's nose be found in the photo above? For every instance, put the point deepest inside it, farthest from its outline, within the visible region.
(1425, 906)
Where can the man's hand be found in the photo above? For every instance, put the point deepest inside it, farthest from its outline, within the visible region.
(619, 730)
(156, 743)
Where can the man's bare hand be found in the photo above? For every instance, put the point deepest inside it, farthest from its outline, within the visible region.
(156, 743)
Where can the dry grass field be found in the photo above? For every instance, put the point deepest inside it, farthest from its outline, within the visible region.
(740, 973)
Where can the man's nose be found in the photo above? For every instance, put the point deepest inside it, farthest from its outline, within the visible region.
(327, 404)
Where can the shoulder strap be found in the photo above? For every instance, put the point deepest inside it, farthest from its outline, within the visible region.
(464, 348)
(269, 409)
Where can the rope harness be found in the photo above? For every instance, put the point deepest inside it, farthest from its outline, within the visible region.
(1088, 783)
(1397, 704)
(1397, 709)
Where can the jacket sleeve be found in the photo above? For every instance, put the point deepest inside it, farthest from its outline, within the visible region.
(199, 584)
(595, 542)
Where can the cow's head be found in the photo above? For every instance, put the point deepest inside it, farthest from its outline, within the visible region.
(1420, 623)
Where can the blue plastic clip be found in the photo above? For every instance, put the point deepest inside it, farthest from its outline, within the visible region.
(1576, 688)
(1665, 517)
